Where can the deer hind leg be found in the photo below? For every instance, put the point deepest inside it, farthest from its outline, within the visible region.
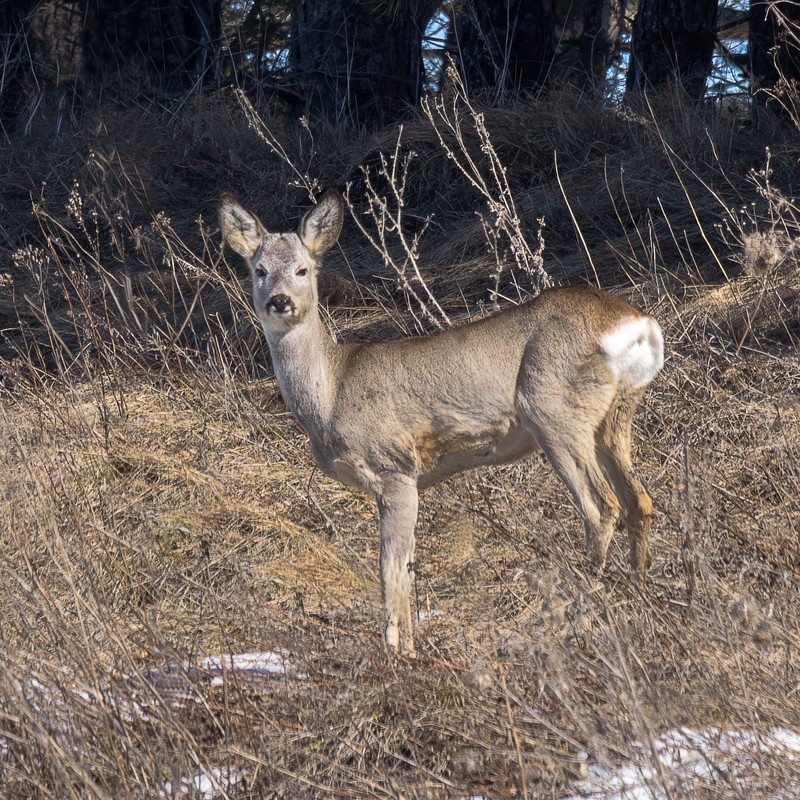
(569, 445)
(614, 451)
(397, 508)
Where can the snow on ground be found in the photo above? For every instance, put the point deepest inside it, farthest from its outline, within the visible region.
(206, 785)
(214, 670)
(686, 759)
(273, 662)
(763, 764)
(176, 684)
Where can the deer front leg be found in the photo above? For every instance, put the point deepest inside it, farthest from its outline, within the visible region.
(397, 507)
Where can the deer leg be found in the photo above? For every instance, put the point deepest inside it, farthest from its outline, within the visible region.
(397, 508)
(614, 450)
(571, 453)
(594, 497)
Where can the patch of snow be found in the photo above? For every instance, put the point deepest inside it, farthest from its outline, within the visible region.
(206, 785)
(177, 679)
(687, 758)
(273, 662)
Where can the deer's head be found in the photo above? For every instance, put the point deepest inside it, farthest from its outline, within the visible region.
(283, 265)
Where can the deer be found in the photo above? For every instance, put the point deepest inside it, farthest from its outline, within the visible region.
(562, 373)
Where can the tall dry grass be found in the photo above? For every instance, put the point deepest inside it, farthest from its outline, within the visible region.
(158, 504)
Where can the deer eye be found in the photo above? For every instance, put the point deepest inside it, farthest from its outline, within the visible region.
(259, 272)
(302, 272)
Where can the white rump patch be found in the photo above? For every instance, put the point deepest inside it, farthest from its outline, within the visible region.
(634, 350)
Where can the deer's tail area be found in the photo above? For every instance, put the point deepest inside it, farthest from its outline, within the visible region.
(634, 350)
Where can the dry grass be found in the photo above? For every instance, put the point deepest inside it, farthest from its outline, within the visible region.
(158, 504)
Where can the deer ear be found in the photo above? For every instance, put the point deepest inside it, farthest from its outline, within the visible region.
(240, 229)
(320, 227)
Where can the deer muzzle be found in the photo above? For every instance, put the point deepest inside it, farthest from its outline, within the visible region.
(280, 304)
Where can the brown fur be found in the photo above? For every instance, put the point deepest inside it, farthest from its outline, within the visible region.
(564, 372)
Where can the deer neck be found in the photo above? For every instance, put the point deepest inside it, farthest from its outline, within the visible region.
(304, 359)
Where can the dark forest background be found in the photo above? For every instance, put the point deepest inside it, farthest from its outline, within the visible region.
(370, 62)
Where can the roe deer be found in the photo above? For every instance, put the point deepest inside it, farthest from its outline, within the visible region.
(563, 373)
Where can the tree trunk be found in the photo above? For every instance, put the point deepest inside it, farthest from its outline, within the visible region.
(533, 44)
(15, 56)
(504, 45)
(357, 59)
(672, 43)
(175, 43)
(775, 53)
(57, 47)
(586, 41)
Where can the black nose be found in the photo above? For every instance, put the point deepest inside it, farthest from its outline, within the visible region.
(280, 302)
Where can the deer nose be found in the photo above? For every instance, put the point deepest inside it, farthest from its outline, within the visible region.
(280, 302)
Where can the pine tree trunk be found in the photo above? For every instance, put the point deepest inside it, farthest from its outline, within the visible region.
(509, 45)
(16, 58)
(775, 53)
(586, 41)
(174, 42)
(57, 41)
(673, 42)
(358, 60)
(504, 45)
